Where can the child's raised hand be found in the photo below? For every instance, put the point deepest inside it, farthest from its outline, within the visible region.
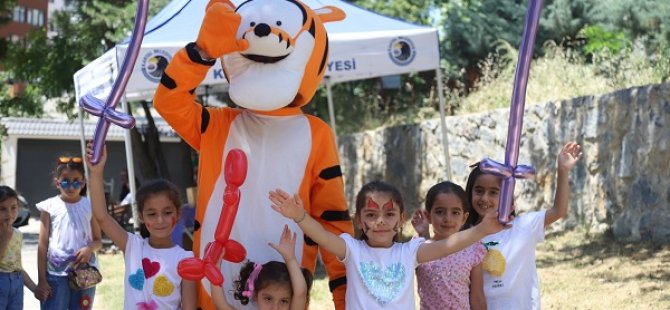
(100, 166)
(420, 222)
(569, 156)
(286, 246)
(290, 207)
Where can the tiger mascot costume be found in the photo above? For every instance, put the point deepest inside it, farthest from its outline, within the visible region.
(274, 55)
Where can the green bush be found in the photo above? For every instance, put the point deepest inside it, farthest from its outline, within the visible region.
(565, 73)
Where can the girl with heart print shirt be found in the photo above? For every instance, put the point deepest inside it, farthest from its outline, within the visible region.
(151, 280)
(379, 269)
(454, 281)
(510, 275)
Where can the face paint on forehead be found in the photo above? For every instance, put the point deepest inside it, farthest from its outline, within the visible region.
(373, 205)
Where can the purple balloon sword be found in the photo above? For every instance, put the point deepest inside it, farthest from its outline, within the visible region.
(106, 110)
(510, 171)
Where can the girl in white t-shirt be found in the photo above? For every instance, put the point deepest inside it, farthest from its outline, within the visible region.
(69, 236)
(151, 280)
(510, 274)
(379, 269)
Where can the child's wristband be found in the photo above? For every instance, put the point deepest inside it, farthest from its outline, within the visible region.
(304, 215)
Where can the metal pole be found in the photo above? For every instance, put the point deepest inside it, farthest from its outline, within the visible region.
(131, 167)
(443, 122)
(331, 108)
(82, 138)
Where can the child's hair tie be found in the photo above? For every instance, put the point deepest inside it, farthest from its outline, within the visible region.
(251, 280)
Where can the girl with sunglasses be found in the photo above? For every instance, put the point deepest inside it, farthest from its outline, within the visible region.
(69, 237)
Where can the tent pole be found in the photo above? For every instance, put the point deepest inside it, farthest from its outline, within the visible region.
(131, 167)
(443, 122)
(82, 138)
(331, 108)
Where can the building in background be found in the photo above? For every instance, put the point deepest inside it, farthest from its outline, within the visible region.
(26, 16)
(31, 147)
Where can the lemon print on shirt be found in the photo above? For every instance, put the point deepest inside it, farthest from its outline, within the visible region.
(494, 261)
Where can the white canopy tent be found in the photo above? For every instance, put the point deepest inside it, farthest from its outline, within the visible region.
(364, 45)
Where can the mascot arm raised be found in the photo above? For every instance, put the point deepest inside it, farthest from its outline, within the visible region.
(217, 32)
(175, 97)
(329, 206)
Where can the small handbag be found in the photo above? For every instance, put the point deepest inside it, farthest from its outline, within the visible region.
(83, 276)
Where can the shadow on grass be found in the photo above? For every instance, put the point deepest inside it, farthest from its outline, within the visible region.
(594, 249)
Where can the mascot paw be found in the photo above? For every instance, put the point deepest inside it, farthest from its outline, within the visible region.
(218, 31)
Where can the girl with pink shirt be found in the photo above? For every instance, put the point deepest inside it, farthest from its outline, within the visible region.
(454, 281)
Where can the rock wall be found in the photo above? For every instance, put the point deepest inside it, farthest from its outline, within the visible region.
(620, 185)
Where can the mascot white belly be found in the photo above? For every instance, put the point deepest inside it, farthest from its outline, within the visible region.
(277, 156)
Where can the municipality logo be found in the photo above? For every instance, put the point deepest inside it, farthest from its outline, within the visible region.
(154, 63)
(402, 51)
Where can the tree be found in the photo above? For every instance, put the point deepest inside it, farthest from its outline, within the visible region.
(472, 28)
(416, 12)
(562, 20)
(650, 18)
(47, 65)
(6, 7)
(82, 33)
(25, 105)
(367, 104)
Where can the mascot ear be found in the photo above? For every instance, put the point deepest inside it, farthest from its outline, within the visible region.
(227, 3)
(330, 14)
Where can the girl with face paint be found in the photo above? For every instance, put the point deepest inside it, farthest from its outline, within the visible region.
(151, 280)
(379, 269)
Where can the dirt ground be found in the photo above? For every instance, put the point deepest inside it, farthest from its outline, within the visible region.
(582, 271)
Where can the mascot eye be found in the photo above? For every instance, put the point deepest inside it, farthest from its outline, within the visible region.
(279, 23)
(251, 24)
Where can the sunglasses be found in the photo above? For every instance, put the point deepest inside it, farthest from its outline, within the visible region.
(65, 184)
(68, 160)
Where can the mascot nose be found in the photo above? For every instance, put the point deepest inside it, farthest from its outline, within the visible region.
(262, 30)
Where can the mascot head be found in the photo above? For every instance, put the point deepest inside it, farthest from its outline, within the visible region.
(287, 54)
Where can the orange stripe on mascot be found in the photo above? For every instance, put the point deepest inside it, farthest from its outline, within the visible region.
(274, 56)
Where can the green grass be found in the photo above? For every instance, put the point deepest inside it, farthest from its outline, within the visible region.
(109, 293)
